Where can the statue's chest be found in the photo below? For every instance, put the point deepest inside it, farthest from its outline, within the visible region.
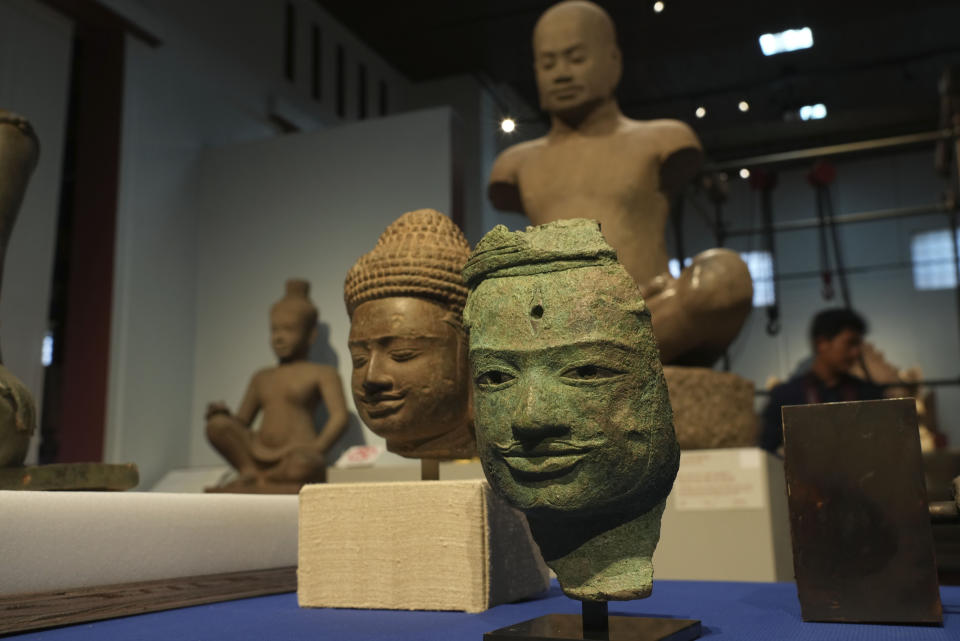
(290, 387)
(604, 170)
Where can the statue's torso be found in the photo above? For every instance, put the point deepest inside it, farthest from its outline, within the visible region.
(613, 178)
(289, 395)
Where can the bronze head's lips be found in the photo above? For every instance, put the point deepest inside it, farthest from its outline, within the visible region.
(545, 459)
(543, 467)
(554, 447)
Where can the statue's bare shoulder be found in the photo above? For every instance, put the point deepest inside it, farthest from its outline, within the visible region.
(677, 146)
(511, 159)
(668, 135)
(503, 188)
(261, 374)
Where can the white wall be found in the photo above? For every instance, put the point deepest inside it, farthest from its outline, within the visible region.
(308, 206)
(210, 83)
(911, 327)
(35, 50)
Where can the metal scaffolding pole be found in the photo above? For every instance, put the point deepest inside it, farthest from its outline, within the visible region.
(836, 150)
(933, 382)
(846, 219)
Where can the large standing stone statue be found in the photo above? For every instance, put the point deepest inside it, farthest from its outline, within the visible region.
(574, 425)
(19, 152)
(597, 163)
(286, 451)
(411, 379)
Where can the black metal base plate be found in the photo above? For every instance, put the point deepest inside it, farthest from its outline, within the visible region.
(568, 627)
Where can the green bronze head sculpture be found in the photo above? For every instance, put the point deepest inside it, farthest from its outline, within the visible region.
(574, 425)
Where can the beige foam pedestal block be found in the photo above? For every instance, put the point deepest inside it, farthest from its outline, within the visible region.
(424, 545)
(711, 409)
(726, 519)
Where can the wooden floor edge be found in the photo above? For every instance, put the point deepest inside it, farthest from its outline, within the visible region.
(37, 610)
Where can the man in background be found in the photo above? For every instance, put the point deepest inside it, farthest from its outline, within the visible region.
(836, 336)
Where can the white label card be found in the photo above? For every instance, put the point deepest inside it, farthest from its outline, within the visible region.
(720, 480)
(359, 456)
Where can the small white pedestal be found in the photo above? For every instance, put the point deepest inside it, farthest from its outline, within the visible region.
(726, 519)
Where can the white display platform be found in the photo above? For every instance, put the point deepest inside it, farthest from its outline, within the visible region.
(61, 540)
(726, 519)
(193, 480)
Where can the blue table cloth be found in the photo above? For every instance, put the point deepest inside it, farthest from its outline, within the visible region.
(735, 611)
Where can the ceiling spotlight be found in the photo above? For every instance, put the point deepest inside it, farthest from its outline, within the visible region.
(508, 125)
(813, 112)
(744, 106)
(658, 6)
(701, 112)
(785, 41)
(744, 173)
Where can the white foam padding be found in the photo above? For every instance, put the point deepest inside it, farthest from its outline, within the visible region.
(62, 540)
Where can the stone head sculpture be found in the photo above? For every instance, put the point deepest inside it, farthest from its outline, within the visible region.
(576, 57)
(411, 380)
(574, 425)
(293, 322)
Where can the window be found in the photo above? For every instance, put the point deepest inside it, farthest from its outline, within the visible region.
(931, 253)
(790, 40)
(760, 265)
(46, 350)
(675, 266)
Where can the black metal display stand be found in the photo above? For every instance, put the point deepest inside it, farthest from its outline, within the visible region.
(429, 469)
(595, 625)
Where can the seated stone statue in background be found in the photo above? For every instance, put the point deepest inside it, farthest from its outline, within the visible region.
(19, 152)
(411, 379)
(574, 425)
(596, 163)
(286, 451)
